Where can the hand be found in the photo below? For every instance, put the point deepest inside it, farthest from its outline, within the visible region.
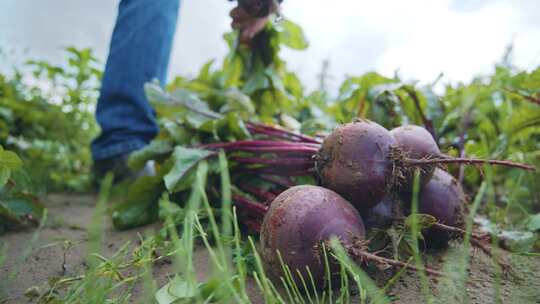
(248, 25)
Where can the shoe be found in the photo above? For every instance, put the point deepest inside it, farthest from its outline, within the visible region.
(118, 165)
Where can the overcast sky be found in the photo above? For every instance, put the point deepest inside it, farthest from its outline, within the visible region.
(420, 38)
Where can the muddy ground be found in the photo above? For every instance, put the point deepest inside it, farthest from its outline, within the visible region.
(32, 262)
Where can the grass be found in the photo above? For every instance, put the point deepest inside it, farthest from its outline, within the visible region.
(3, 258)
(113, 279)
(415, 229)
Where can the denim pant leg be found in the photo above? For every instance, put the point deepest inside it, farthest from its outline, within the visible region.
(139, 52)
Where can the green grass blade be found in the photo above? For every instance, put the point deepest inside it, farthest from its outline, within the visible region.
(415, 229)
(96, 229)
(3, 258)
(328, 274)
(266, 290)
(287, 290)
(363, 281)
(149, 284)
(226, 194)
(240, 264)
(313, 286)
(289, 280)
(222, 261)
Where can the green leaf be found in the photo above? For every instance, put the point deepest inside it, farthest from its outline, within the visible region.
(238, 102)
(20, 210)
(534, 222)
(177, 289)
(290, 122)
(277, 83)
(257, 80)
(518, 241)
(184, 160)
(424, 221)
(156, 148)
(141, 204)
(215, 289)
(155, 93)
(9, 160)
(181, 100)
(291, 35)
(192, 103)
(293, 85)
(9, 218)
(205, 74)
(178, 132)
(4, 176)
(235, 127)
(168, 209)
(232, 71)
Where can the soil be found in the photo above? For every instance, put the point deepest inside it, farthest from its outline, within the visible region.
(33, 258)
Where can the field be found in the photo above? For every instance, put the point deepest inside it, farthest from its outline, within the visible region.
(231, 140)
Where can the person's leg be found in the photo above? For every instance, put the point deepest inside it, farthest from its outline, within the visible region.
(139, 52)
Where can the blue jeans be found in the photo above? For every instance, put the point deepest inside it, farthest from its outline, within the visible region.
(139, 52)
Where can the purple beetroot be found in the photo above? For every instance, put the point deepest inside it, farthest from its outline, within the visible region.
(354, 161)
(417, 149)
(361, 161)
(381, 215)
(414, 142)
(443, 198)
(298, 222)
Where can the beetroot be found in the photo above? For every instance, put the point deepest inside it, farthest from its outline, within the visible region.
(416, 142)
(360, 161)
(413, 142)
(298, 221)
(381, 215)
(417, 149)
(354, 162)
(443, 198)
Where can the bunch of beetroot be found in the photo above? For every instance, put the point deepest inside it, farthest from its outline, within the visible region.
(364, 172)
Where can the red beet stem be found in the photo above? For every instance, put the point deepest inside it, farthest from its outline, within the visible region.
(244, 204)
(259, 144)
(283, 150)
(253, 225)
(266, 196)
(275, 143)
(273, 134)
(281, 161)
(278, 181)
(428, 123)
(285, 172)
(471, 161)
(303, 138)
